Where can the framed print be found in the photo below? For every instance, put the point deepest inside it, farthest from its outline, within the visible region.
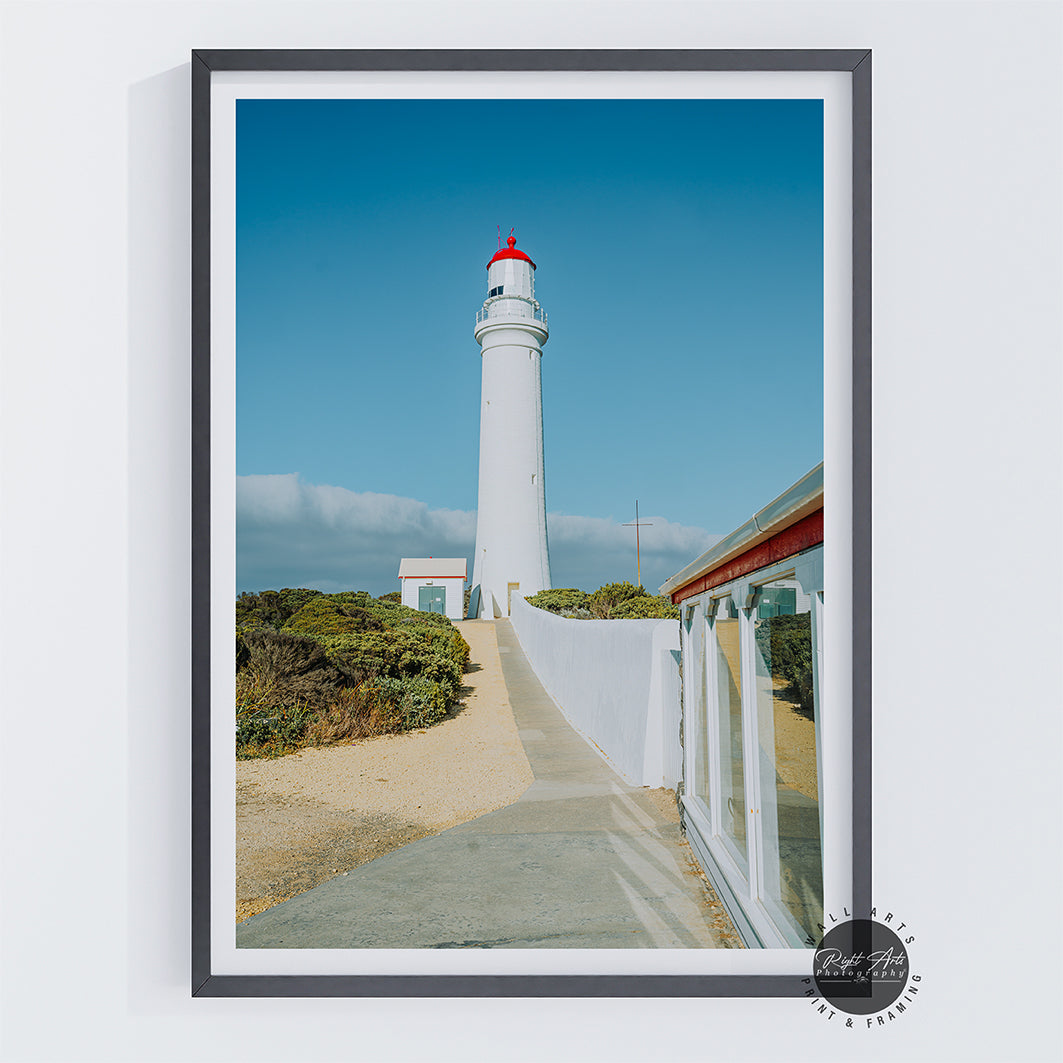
(459, 769)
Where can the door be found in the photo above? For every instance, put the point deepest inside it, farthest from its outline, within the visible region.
(510, 588)
(432, 599)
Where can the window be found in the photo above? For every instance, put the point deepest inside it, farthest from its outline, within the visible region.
(728, 705)
(792, 870)
(495, 291)
(776, 600)
(699, 703)
(751, 719)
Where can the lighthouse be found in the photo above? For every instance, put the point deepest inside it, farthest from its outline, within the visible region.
(512, 556)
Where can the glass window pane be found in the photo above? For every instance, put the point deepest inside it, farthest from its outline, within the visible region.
(793, 860)
(729, 717)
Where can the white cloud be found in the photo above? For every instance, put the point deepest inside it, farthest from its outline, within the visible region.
(586, 552)
(294, 534)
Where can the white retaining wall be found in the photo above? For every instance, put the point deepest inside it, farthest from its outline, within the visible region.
(616, 681)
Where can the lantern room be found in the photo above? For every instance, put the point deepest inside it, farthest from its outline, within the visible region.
(511, 272)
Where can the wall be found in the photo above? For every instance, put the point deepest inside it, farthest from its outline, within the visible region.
(616, 681)
(94, 443)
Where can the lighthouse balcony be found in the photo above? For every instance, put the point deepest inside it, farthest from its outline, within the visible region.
(512, 310)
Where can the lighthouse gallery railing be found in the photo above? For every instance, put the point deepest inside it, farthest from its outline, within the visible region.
(530, 313)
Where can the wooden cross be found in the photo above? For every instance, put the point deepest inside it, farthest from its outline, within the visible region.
(638, 553)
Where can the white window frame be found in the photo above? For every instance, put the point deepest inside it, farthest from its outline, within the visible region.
(760, 919)
(713, 713)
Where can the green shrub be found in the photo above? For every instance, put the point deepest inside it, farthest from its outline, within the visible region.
(411, 702)
(258, 610)
(396, 654)
(342, 666)
(291, 599)
(613, 601)
(646, 607)
(404, 616)
(604, 602)
(449, 643)
(362, 599)
(559, 600)
(242, 654)
(360, 655)
(271, 734)
(271, 608)
(266, 725)
(325, 615)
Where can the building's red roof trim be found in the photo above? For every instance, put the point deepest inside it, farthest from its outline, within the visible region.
(511, 252)
(806, 533)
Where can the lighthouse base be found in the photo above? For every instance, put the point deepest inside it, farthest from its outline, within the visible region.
(483, 605)
(487, 604)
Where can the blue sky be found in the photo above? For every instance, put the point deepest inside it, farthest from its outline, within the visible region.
(679, 246)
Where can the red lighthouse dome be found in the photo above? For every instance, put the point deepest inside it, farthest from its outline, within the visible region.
(511, 252)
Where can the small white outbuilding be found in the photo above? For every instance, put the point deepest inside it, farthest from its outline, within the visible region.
(434, 584)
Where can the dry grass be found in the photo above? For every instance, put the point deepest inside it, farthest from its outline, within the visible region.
(355, 713)
(272, 722)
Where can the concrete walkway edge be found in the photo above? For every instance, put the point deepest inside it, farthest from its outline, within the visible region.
(580, 860)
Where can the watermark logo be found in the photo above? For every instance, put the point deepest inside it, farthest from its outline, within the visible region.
(862, 972)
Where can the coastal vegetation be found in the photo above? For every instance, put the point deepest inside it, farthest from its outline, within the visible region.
(315, 668)
(612, 601)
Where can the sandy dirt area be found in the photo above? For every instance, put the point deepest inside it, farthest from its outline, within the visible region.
(795, 745)
(305, 817)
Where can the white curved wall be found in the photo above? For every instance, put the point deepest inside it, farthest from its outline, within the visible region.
(616, 681)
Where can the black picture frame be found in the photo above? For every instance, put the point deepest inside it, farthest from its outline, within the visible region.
(206, 63)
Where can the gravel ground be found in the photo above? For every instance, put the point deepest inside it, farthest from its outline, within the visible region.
(305, 817)
(795, 745)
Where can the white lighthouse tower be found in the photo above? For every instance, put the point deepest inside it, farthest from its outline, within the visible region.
(512, 556)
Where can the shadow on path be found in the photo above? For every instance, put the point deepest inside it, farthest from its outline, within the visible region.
(580, 860)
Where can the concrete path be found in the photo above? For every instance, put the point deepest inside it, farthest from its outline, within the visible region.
(581, 860)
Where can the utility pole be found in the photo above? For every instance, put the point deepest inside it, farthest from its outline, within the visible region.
(638, 552)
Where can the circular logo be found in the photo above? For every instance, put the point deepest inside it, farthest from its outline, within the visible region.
(861, 967)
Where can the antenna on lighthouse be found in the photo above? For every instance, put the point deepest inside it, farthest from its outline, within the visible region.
(499, 237)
